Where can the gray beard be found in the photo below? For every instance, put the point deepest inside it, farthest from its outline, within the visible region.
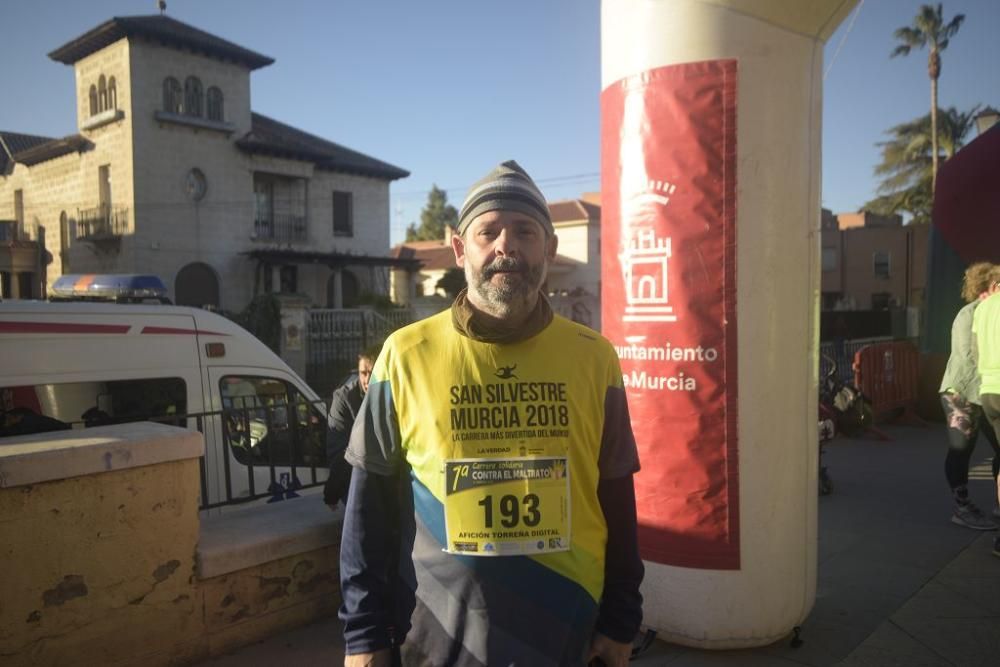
(508, 297)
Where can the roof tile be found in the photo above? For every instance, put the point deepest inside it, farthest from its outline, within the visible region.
(432, 255)
(169, 31)
(12, 143)
(573, 209)
(272, 137)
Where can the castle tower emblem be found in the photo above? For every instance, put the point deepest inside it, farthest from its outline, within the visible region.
(644, 265)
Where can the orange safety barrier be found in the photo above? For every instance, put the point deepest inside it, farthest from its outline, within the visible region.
(888, 376)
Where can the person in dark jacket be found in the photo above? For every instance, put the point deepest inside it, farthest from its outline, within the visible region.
(344, 407)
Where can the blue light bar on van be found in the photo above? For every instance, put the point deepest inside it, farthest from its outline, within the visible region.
(125, 287)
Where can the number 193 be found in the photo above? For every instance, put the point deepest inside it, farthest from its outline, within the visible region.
(510, 509)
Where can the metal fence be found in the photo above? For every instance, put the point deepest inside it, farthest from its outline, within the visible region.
(842, 354)
(282, 228)
(337, 336)
(258, 451)
(102, 221)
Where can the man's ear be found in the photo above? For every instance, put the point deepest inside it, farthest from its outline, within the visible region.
(552, 244)
(458, 246)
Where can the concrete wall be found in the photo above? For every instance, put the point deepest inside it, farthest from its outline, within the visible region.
(106, 560)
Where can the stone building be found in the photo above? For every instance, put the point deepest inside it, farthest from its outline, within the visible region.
(872, 262)
(172, 173)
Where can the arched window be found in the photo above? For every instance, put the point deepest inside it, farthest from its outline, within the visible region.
(93, 100)
(213, 100)
(196, 285)
(102, 94)
(172, 100)
(350, 289)
(192, 96)
(112, 94)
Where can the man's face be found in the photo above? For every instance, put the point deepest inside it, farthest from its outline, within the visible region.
(364, 373)
(505, 256)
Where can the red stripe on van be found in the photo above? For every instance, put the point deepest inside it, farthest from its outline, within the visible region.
(172, 330)
(63, 328)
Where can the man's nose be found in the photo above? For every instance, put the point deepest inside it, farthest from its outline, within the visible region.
(505, 243)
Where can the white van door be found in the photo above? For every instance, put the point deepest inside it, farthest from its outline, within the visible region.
(269, 439)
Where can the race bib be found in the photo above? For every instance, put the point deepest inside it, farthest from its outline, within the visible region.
(507, 507)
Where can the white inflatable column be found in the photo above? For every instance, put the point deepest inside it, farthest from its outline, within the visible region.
(710, 291)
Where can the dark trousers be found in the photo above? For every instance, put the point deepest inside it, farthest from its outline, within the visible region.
(965, 421)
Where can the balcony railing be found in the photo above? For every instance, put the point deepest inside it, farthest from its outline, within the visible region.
(281, 228)
(101, 222)
(10, 230)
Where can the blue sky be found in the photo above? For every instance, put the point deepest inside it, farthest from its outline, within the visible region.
(448, 88)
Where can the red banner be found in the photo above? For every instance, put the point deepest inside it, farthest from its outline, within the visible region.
(668, 252)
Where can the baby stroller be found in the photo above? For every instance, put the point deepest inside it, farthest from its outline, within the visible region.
(843, 403)
(842, 409)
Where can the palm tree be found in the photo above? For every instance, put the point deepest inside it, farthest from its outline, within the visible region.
(929, 30)
(907, 162)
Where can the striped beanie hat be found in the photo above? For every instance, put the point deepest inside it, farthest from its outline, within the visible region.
(507, 187)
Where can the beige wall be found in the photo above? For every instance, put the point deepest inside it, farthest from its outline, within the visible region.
(579, 240)
(69, 183)
(49, 189)
(104, 563)
(245, 606)
(112, 145)
(98, 568)
(853, 247)
(408, 285)
(173, 230)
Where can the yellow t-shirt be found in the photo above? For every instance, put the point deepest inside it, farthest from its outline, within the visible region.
(986, 328)
(511, 439)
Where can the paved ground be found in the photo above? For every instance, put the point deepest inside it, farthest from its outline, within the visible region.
(898, 583)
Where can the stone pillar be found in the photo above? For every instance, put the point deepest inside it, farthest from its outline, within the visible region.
(338, 289)
(294, 333)
(275, 279)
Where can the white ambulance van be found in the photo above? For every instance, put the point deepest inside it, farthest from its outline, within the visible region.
(78, 364)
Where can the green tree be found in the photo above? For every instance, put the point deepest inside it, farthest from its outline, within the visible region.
(262, 318)
(436, 214)
(929, 31)
(452, 282)
(906, 169)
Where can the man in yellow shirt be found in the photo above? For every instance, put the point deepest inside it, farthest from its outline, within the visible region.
(491, 514)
